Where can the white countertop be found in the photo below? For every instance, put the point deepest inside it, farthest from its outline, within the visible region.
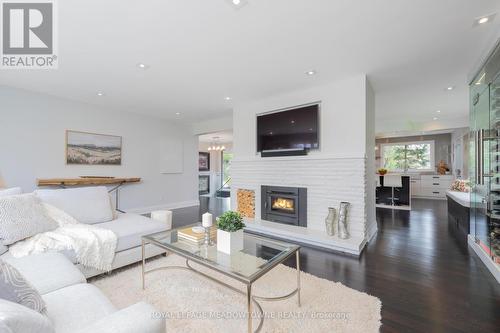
(462, 198)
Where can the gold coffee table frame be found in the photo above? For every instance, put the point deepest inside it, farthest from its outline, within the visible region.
(248, 281)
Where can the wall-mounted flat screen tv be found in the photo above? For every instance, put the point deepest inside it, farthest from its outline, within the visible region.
(296, 128)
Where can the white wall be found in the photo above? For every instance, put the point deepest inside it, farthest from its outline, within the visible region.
(342, 118)
(32, 145)
(337, 172)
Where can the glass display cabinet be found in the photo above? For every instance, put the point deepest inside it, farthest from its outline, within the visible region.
(484, 166)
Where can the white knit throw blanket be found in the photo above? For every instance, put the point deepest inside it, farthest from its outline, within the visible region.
(94, 247)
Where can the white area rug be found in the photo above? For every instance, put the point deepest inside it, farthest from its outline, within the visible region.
(192, 303)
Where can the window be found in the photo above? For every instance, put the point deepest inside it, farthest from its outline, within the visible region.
(408, 156)
(226, 169)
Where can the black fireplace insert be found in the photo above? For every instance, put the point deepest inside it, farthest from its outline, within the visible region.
(287, 205)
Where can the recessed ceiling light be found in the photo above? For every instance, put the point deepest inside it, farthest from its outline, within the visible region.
(100, 93)
(237, 4)
(438, 111)
(142, 65)
(177, 113)
(311, 72)
(435, 118)
(227, 98)
(483, 20)
(450, 88)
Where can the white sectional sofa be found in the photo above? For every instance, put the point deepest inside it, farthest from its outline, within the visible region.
(72, 304)
(92, 205)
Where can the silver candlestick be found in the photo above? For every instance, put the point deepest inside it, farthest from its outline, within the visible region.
(208, 241)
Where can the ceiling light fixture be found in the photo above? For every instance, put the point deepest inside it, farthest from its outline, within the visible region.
(435, 118)
(227, 98)
(177, 113)
(438, 111)
(215, 146)
(142, 66)
(100, 93)
(483, 20)
(311, 72)
(450, 88)
(237, 4)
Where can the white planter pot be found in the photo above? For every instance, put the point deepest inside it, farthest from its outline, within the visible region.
(229, 242)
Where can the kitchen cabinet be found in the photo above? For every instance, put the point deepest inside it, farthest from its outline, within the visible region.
(431, 186)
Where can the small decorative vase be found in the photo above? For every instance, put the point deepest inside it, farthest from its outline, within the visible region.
(343, 226)
(330, 221)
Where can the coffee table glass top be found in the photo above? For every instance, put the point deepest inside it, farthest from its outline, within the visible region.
(259, 254)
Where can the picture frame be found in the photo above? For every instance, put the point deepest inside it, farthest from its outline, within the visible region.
(85, 148)
(203, 161)
(204, 184)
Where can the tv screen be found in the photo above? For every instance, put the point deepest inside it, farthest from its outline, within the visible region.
(295, 128)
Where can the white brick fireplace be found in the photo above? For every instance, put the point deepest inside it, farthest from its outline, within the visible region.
(342, 170)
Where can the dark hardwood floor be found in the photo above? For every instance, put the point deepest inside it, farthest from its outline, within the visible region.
(426, 281)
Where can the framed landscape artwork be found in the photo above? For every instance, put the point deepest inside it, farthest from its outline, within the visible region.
(204, 161)
(93, 149)
(204, 184)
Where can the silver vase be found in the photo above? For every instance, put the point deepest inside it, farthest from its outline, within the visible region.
(343, 226)
(331, 221)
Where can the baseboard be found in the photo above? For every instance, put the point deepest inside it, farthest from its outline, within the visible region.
(492, 267)
(372, 232)
(173, 205)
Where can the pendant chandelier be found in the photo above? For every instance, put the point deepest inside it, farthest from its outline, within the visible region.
(215, 145)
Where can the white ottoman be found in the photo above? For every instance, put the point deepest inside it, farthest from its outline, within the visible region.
(164, 216)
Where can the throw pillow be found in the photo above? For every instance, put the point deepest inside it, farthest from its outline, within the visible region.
(10, 191)
(15, 288)
(17, 318)
(3, 248)
(23, 216)
(86, 204)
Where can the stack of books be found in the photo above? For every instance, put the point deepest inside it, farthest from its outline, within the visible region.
(194, 237)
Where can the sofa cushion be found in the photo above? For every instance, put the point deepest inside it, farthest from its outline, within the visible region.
(72, 308)
(16, 318)
(129, 228)
(23, 216)
(15, 288)
(48, 272)
(10, 191)
(86, 204)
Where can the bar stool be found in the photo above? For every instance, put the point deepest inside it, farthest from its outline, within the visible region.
(393, 180)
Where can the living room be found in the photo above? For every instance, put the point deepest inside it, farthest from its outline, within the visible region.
(218, 166)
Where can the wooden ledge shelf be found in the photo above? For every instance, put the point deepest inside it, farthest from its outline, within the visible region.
(82, 181)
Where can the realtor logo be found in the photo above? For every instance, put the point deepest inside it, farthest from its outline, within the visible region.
(28, 35)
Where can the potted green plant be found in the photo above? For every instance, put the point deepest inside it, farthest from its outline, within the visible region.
(230, 232)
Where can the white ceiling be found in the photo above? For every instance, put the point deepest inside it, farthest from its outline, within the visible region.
(200, 51)
(217, 137)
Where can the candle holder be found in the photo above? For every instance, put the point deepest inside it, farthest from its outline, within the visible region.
(208, 241)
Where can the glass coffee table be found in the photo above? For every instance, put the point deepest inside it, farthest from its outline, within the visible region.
(259, 256)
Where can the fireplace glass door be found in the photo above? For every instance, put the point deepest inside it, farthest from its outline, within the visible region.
(282, 204)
